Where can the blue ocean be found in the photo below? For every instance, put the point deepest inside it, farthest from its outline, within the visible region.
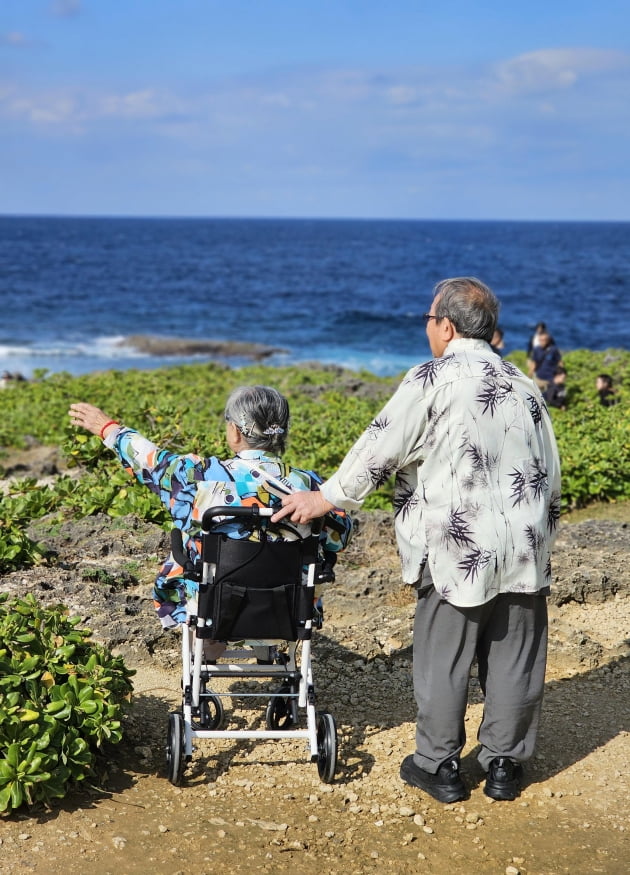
(77, 292)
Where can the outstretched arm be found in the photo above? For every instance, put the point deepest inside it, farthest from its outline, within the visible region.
(91, 418)
(302, 507)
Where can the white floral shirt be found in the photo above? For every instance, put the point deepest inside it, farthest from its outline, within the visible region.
(477, 492)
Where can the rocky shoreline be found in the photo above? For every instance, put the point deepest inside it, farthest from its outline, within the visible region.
(183, 346)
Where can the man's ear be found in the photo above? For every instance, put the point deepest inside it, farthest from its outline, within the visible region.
(448, 330)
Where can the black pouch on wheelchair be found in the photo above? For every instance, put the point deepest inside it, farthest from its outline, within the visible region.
(257, 592)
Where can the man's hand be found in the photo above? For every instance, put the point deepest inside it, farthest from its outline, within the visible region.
(302, 507)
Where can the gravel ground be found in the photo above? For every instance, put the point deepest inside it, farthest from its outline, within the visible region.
(260, 806)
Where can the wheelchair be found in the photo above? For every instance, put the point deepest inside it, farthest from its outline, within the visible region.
(256, 596)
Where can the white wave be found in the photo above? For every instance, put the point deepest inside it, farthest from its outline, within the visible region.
(101, 353)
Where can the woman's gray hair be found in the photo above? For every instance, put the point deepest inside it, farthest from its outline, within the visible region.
(471, 306)
(261, 415)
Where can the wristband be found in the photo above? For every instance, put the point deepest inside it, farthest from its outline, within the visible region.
(107, 425)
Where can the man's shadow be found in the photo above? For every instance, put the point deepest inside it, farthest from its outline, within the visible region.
(579, 715)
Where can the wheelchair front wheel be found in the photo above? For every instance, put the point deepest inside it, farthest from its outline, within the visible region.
(279, 714)
(326, 746)
(211, 712)
(175, 748)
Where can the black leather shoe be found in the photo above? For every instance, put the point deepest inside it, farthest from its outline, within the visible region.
(504, 779)
(445, 786)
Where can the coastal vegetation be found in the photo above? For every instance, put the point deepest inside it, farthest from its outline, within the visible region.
(182, 408)
(62, 697)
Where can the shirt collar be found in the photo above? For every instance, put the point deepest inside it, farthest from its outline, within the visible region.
(467, 344)
(255, 454)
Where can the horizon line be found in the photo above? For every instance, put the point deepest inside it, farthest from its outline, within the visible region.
(271, 218)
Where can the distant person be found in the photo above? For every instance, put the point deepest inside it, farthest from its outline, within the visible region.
(476, 507)
(532, 344)
(8, 378)
(534, 340)
(497, 343)
(605, 390)
(546, 357)
(556, 393)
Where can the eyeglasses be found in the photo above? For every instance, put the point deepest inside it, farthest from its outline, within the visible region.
(427, 316)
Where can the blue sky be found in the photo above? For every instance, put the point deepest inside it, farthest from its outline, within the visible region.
(314, 108)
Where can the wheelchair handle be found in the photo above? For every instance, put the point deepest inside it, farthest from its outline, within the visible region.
(223, 511)
(251, 513)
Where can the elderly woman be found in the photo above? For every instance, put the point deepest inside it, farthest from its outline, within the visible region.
(257, 423)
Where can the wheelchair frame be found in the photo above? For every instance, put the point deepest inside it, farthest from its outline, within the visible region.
(202, 715)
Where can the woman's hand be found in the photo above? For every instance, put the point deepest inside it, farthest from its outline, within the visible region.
(91, 418)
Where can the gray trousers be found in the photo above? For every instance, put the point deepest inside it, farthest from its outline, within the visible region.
(508, 635)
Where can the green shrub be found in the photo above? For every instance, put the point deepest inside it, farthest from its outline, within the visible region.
(61, 697)
(181, 408)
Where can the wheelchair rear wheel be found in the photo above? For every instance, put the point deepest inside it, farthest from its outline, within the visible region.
(326, 746)
(175, 748)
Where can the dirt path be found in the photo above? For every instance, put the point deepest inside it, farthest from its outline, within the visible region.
(259, 806)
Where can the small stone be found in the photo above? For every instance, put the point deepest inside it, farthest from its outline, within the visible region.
(24, 836)
(418, 819)
(512, 870)
(270, 826)
(428, 830)
(119, 842)
(406, 811)
(162, 828)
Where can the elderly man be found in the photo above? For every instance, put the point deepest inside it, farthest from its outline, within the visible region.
(477, 503)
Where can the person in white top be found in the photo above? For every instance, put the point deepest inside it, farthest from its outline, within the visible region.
(476, 505)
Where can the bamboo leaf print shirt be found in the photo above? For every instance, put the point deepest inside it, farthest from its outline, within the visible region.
(477, 490)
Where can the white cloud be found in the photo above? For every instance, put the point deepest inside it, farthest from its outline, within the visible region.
(14, 38)
(408, 113)
(555, 69)
(402, 94)
(66, 8)
(146, 104)
(278, 99)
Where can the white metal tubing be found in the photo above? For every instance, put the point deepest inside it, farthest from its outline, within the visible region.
(196, 678)
(253, 733)
(306, 672)
(186, 709)
(271, 671)
(311, 718)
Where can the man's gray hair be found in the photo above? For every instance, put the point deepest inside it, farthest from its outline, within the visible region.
(470, 304)
(262, 416)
